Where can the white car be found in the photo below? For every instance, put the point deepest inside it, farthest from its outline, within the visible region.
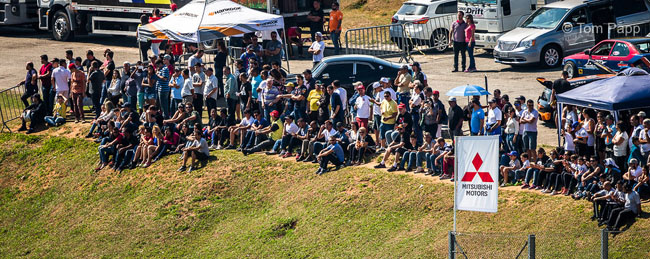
(425, 23)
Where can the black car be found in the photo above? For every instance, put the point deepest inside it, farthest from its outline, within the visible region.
(352, 68)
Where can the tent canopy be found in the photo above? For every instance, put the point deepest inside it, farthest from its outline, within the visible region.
(203, 20)
(622, 92)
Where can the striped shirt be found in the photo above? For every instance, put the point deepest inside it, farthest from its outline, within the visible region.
(162, 85)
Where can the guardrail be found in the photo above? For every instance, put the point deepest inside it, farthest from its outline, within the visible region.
(11, 106)
(400, 39)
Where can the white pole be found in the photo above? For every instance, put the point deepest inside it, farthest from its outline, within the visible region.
(286, 49)
(455, 177)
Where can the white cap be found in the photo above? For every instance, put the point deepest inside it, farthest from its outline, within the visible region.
(452, 99)
(376, 85)
(319, 34)
(611, 162)
(385, 80)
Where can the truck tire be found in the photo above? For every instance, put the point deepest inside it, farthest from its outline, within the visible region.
(551, 56)
(440, 40)
(61, 28)
(571, 69)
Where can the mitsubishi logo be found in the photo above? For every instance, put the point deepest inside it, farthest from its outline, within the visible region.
(485, 176)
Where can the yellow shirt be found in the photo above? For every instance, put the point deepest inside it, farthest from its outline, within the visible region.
(313, 98)
(404, 80)
(388, 109)
(60, 109)
(335, 19)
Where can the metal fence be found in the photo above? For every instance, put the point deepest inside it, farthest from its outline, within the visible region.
(11, 106)
(400, 39)
(592, 244)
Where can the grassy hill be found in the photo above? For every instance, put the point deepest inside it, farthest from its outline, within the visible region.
(52, 204)
(364, 13)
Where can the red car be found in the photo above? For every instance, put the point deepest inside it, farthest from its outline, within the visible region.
(616, 54)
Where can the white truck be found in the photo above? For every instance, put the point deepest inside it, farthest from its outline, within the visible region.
(493, 18)
(18, 12)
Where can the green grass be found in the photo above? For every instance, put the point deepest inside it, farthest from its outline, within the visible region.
(52, 204)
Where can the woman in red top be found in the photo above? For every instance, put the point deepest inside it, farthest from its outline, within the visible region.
(471, 43)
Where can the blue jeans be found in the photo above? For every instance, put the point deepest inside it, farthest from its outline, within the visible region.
(163, 100)
(411, 157)
(425, 157)
(163, 151)
(104, 153)
(174, 104)
(335, 36)
(384, 128)
(267, 111)
(510, 143)
(415, 115)
(299, 112)
(404, 98)
(53, 121)
(470, 55)
(104, 94)
(391, 135)
(277, 145)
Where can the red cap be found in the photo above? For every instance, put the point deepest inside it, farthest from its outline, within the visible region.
(275, 114)
(401, 106)
(360, 87)
(436, 92)
(71, 66)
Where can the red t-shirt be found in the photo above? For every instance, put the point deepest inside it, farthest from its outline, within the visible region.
(173, 6)
(153, 19)
(46, 81)
(177, 49)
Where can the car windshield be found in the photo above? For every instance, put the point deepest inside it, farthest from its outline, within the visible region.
(412, 9)
(545, 18)
(478, 1)
(644, 47)
(318, 69)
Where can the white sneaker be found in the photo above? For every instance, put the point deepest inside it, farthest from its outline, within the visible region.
(219, 147)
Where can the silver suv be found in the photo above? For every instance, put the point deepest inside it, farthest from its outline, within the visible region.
(566, 27)
(426, 22)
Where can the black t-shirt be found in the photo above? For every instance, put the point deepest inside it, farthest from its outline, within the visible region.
(455, 116)
(88, 63)
(302, 90)
(111, 68)
(310, 84)
(404, 138)
(96, 78)
(317, 26)
(405, 118)
(214, 122)
(368, 139)
(561, 86)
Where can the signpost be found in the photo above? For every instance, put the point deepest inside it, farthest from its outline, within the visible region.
(476, 177)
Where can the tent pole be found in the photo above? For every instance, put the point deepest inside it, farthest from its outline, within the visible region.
(615, 117)
(286, 49)
(558, 122)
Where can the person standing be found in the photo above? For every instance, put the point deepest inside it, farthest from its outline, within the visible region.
(317, 48)
(31, 87)
(195, 59)
(90, 58)
(45, 75)
(336, 19)
(494, 117)
(198, 82)
(95, 80)
(162, 85)
(455, 115)
(402, 81)
(78, 88)
(457, 40)
(60, 79)
(316, 20)
(471, 43)
(273, 49)
(145, 45)
(529, 122)
(176, 84)
(362, 106)
(108, 67)
(211, 89)
(478, 119)
(220, 60)
(230, 90)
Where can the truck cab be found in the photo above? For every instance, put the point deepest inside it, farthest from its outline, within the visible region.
(14, 12)
(493, 18)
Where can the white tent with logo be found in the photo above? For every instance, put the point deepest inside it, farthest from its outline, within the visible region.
(204, 20)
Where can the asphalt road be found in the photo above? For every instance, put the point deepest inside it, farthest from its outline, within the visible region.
(20, 45)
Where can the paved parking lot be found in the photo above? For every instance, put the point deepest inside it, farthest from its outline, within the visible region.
(20, 45)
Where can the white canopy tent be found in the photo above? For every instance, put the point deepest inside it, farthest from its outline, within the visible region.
(204, 20)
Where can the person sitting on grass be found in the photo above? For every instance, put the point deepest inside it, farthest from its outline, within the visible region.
(34, 114)
(332, 153)
(146, 139)
(220, 130)
(290, 130)
(197, 150)
(154, 147)
(183, 137)
(425, 151)
(520, 174)
(410, 155)
(58, 114)
(124, 149)
(630, 210)
(178, 116)
(239, 129)
(362, 146)
(643, 183)
(109, 113)
(169, 142)
(513, 165)
(398, 146)
(256, 125)
(306, 141)
(265, 138)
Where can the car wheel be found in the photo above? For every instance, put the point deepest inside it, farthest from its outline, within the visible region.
(440, 40)
(551, 56)
(571, 69)
(61, 27)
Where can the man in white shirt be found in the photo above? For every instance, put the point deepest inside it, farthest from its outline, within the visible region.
(195, 59)
(317, 48)
(493, 123)
(362, 106)
(290, 130)
(61, 78)
(343, 94)
(210, 90)
(529, 121)
(385, 83)
(187, 92)
(376, 109)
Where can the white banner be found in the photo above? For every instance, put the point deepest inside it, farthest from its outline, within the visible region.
(477, 182)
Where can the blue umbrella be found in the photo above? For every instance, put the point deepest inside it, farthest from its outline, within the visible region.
(467, 90)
